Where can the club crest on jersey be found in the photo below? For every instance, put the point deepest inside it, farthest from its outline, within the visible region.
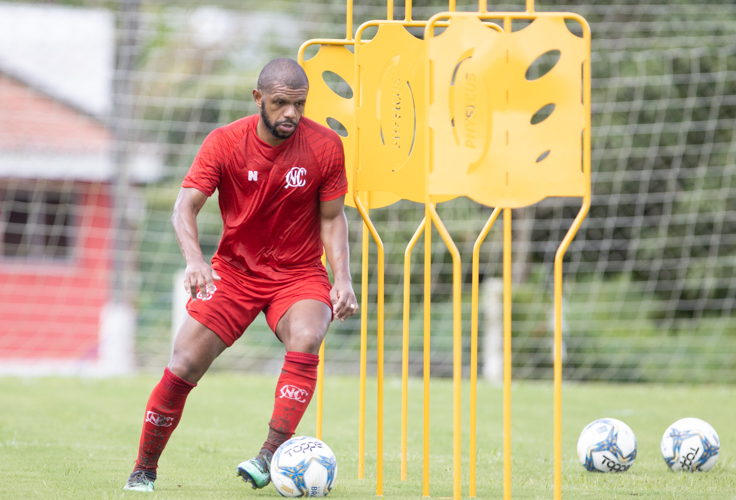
(208, 295)
(159, 420)
(296, 177)
(294, 392)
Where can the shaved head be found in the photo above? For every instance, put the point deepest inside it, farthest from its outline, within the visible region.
(286, 72)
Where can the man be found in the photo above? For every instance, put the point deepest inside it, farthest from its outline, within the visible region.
(281, 182)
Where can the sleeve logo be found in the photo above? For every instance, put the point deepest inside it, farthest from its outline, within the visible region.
(159, 420)
(295, 177)
(295, 393)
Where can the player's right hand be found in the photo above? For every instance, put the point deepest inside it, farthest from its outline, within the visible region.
(200, 276)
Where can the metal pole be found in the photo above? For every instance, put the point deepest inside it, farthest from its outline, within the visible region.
(427, 342)
(363, 350)
(320, 389)
(379, 335)
(474, 346)
(349, 21)
(405, 348)
(507, 354)
(127, 54)
(321, 380)
(456, 352)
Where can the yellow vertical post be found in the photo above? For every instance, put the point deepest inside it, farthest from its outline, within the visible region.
(379, 372)
(474, 347)
(320, 379)
(483, 6)
(390, 10)
(559, 256)
(379, 342)
(507, 354)
(530, 6)
(457, 369)
(457, 358)
(558, 378)
(363, 350)
(405, 349)
(349, 21)
(320, 389)
(407, 11)
(456, 350)
(427, 343)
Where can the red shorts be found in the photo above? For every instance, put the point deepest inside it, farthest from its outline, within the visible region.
(239, 298)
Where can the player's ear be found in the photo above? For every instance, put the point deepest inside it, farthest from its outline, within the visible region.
(257, 97)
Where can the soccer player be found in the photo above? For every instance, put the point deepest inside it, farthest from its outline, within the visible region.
(281, 182)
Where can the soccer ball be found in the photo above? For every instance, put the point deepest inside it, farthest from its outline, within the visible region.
(303, 467)
(690, 444)
(607, 445)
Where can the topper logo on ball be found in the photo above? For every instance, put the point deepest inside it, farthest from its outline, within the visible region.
(687, 460)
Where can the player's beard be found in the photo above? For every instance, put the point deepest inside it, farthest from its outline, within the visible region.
(272, 127)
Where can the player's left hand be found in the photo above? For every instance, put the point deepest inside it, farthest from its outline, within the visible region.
(344, 303)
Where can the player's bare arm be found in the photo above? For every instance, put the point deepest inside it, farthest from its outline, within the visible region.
(334, 233)
(198, 273)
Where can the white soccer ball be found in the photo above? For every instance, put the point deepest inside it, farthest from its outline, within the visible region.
(303, 467)
(690, 444)
(607, 445)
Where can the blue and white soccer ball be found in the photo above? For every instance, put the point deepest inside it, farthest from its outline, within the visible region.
(303, 467)
(690, 444)
(607, 445)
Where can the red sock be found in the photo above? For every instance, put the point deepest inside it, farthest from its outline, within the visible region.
(163, 413)
(294, 391)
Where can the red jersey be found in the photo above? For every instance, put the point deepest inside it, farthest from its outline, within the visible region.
(269, 196)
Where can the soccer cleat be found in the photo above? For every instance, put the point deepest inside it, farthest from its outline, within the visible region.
(140, 480)
(256, 471)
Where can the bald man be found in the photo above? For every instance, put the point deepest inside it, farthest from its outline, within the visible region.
(281, 183)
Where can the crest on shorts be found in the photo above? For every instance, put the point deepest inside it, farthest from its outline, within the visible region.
(209, 294)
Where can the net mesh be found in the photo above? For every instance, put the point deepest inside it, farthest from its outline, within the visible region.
(649, 280)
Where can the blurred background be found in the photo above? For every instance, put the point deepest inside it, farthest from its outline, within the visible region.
(103, 106)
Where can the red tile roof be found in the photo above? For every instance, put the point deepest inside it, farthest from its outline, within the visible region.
(31, 121)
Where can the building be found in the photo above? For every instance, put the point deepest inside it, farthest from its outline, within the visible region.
(56, 195)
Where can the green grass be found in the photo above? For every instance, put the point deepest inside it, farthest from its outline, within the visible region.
(77, 438)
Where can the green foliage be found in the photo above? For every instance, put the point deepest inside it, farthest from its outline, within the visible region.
(653, 262)
(631, 340)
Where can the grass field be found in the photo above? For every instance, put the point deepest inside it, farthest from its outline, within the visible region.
(77, 438)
